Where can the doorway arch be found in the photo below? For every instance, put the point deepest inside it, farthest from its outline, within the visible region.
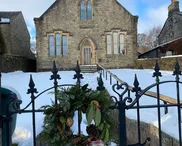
(87, 51)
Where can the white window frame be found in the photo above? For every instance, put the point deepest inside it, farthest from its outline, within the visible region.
(118, 50)
(55, 45)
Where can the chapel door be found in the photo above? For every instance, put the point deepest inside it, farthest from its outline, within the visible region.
(87, 56)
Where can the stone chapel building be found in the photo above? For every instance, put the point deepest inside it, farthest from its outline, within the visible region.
(90, 31)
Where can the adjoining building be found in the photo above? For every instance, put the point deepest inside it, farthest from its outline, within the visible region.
(170, 37)
(15, 43)
(89, 31)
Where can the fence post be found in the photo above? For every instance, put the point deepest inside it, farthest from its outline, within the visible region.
(55, 77)
(32, 90)
(110, 79)
(165, 108)
(177, 73)
(78, 76)
(122, 124)
(158, 74)
(106, 75)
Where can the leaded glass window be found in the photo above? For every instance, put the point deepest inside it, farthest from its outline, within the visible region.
(109, 43)
(58, 44)
(115, 42)
(89, 10)
(51, 46)
(83, 10)
(122, 45)
(86, 10)
(65, 45)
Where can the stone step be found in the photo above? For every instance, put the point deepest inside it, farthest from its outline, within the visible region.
(88, 68)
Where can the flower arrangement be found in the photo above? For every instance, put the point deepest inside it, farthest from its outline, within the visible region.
(60, 117)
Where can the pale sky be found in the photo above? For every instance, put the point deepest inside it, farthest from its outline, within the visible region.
(151, 12)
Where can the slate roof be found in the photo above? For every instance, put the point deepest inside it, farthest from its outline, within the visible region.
(171, 45)
(11, 14)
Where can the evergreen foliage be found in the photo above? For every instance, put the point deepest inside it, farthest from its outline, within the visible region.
(59, 118)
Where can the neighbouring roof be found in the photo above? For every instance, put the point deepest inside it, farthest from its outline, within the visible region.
(178, 13)
(9, 15)
(171, 45)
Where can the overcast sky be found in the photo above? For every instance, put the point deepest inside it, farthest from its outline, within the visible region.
(151, 12)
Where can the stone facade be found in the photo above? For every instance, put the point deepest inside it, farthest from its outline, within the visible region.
(147, 131)
(64, 17)
(172, 28)
(15, 41)
(13, 63)
(169, 40)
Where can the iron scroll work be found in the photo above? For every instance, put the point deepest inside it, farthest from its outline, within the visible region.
(127, 102)
(15, 103)
(123, 103)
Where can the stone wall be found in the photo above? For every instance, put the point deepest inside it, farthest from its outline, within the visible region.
(64, 17)
(147, 130)
(14, 63)
(6, 37)
(20, 38)
(16, 38)
(164, 63)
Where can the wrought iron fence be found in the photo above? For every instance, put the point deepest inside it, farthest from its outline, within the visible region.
(123, 103)
(127, 102)
(32, 91)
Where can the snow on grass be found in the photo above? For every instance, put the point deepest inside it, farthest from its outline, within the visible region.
(170, 120)
(19, 81)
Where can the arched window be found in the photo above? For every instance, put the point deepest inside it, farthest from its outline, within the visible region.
(89, 10)
(86, 10)
(83, 10)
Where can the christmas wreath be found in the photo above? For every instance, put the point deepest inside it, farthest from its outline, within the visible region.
(60, 117)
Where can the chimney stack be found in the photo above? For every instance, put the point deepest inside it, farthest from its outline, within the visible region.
(173, 7)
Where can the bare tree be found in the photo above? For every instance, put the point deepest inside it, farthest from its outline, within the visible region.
(149, 39)
(33, 45)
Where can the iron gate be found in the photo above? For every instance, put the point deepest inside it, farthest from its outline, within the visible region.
(123, 103)
(127, 102)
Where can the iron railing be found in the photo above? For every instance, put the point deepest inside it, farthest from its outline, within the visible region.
(123, 103)
(109, 75)
(127, 102)
(32, 91)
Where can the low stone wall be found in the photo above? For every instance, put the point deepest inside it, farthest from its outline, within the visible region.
(13, 63)
(147, 130)
(164, 63)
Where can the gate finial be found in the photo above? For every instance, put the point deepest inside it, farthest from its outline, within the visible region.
(177, 70)
(157, 72)
(100, 83)
(136, 85)
(78, 74)
(55, 75)
(31, 90)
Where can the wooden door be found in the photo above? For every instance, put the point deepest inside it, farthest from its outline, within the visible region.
(87, 56)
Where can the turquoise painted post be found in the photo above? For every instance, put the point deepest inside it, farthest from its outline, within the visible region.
(5, 100)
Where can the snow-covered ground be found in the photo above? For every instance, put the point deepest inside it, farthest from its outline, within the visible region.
(19, 81)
